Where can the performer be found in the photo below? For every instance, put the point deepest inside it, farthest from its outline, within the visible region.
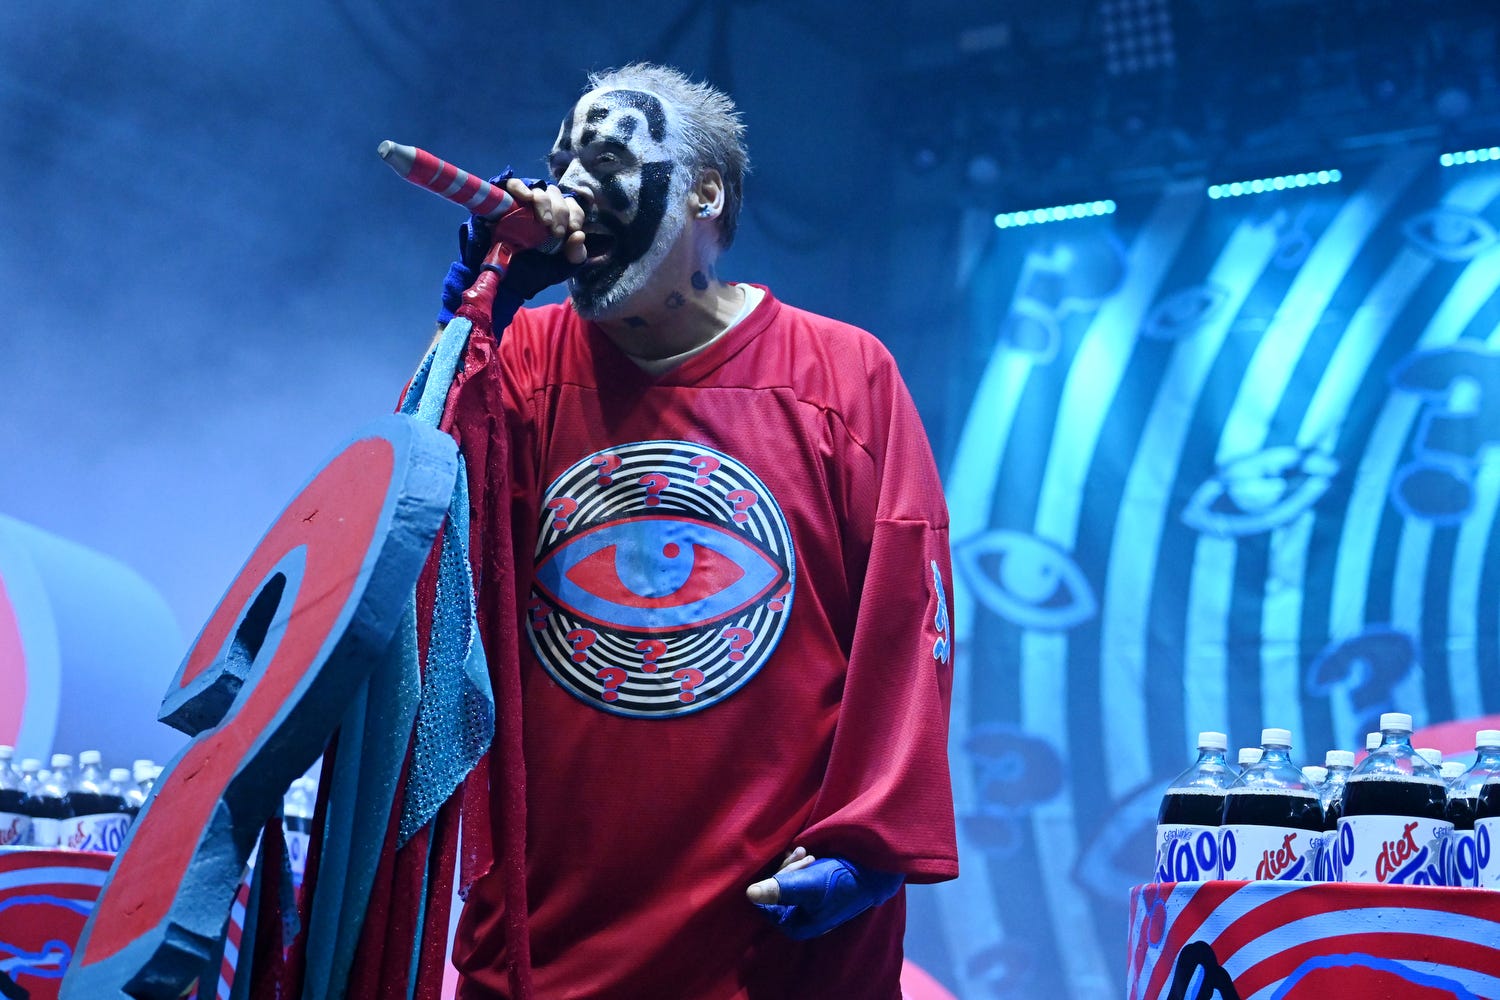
(721, 531)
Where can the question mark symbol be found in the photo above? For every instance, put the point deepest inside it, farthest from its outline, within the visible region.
(705, 464)
(738, 638)
(606, 465)
(778, 600)
(743, 500)
(582, 639)
(1460, 391)
(539, 612)
(564, 506)
(612, 677)
(654, 649)
(690, 677)
(1368, 666)
(654, 482)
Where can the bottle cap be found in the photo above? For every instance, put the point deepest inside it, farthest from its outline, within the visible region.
(1339, 758)
(1276, 737)
(1452, 769)
(1372, 741)
(1395, 721)
(61, 760)
(89, 757)
(142, 770)
(136, 765)
(1431, 755)
(1315, 774)
(31, 764)
(1487, 738)
(1250, 755)
(119, 775)
(6, 753)
(1213, 741)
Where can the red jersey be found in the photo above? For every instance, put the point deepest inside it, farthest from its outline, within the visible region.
(734, 581)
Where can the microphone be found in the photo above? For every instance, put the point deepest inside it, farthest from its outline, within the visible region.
(513, 223)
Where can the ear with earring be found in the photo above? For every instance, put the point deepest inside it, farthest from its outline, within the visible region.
(705, 211)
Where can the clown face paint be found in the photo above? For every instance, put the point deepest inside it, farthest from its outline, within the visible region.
(618, 146)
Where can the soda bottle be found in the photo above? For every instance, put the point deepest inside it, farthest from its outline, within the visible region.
(1468, 803)
(15, 825)
(1339, 763)
(137, 787)
(297, 810)
(99, 820)
(1270, 817)
(1393, 815)
(47, 803)
(1316, 774)
(1187, 824)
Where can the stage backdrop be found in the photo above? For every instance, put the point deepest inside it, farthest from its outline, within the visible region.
(1229, 465)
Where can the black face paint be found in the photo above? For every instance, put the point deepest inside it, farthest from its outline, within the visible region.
(565, 140)
(632, 239)
(625, 131)
(649, 106)
(634, 322)
(596, 114)
(675, 301)
(700, 281)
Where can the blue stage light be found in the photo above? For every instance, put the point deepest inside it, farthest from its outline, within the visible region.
(1054, 213)
(1259, 185)
(1470, 156)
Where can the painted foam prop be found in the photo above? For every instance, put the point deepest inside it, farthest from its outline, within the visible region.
(45, 897)
(78, 630)
(1312, 941)
(307, 620)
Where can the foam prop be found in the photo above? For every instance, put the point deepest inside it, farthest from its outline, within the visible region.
(309, 616)
(1312, 941)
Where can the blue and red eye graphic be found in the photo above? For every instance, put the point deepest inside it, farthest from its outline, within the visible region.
(664, 578)
(655, 573)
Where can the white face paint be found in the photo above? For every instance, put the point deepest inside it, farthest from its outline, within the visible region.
(621, 148)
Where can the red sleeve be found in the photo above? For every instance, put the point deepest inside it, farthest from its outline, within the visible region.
(886, 799)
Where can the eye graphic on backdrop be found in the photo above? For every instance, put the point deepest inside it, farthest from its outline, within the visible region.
(1026, 580)
(1184, 312)
(1450, 233)
(1260, 492)
(1122, 845)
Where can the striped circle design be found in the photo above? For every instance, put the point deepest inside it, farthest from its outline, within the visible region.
(665, 575)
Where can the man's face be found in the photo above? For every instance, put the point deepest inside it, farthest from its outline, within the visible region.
(618, 146)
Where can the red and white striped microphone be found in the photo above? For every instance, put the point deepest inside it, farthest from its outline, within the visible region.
(514, 224)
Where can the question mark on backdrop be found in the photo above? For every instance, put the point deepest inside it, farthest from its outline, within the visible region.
(606, 464)
(706, 465)
(564, 506)
(1066, 277)
(1460, 390)
(654, 482)
(690, 677)
(612, 677)
(738, 638)
(778, 600)
(743, 500)
(539, 612)
(1368, 667)
(582, 639)
(652, 650)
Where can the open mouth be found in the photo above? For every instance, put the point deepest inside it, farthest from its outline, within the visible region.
(599, 247)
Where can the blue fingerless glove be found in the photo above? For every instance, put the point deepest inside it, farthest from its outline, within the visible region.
(530, 271)
(816, 899)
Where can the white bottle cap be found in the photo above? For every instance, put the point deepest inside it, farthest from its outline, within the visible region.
(1487, 738)
(119, 775)
(88, 757)
(1315, 774)
(136, 765)
(6, 753)
(31, 764)
(1276, 737)
(1431, 755)
(61, 760)
(1398, 721)
(1339, 758)
(1250, 755)
(1372, 740)
(1452, 769)
(1213, 741)
(142, 770)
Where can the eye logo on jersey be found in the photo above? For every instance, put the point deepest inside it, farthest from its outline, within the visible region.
(664, 578)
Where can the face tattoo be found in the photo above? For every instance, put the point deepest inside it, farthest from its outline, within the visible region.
(619, 144)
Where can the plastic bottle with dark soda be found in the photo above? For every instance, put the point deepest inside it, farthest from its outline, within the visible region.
(1187, 824)
(1337, 764)
(15, 825)
(99, 819)
(1474, 800)
(138, 786)
(1393, 821)
(1271, 818)
(297, 811)
(47, 804)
